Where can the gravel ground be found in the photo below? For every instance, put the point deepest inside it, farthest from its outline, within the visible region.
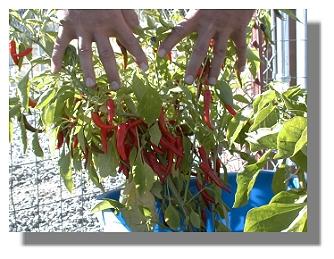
(38, 199)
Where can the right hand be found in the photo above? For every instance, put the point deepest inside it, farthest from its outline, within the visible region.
(98, 25)
(217, 24)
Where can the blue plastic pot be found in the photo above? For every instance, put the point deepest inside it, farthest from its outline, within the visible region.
(260, 195)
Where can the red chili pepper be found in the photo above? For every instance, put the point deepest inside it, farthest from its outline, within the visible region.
(124, 53)
(212, 43)
(199, 72)
(203, 155)
(98, 122)
(24, 53)
(169, 146)
(32, 103)
(124, 169)
(134, 123)
(104, 140)
(157, 149)
(151, 160)
(75, 141)
(133, 136)
(203, 215)
(111, 109)
(218, 165)
(169, 56)
(205, 167)
(163, 128)
(60, 139)
(12, 50)
(121, 133)
(207, 106)
(170, 157)
(230, 110)
(206, 196)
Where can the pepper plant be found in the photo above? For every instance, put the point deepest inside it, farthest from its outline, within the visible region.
(160, 132)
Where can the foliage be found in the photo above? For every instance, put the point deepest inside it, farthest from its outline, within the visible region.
(272, 126)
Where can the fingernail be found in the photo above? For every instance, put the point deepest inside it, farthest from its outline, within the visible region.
(90, 82)
(161, 53)
(53, 68)
(143, 66)
(189, 79)
(212, 81)
(115, 85)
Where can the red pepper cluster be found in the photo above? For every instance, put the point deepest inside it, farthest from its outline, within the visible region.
(209, 174)
(170, 147)
(17, 56)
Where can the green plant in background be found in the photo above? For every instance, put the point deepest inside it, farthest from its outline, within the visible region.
(158, 131)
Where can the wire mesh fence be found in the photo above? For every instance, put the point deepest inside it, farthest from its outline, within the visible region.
(39, 201)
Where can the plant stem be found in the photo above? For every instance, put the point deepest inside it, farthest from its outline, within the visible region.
(177, 195)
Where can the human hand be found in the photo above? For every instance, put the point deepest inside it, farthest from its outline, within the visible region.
(98, 25)
(217, 24)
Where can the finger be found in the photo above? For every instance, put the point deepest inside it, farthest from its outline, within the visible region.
(63, 40)
(107, 57)
(219, 51)
(85, 56)
(131, 18)
(239, 39)
(178, 33)
(198, 54)
(129, 41)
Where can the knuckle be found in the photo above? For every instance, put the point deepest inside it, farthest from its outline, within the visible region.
(83, 50)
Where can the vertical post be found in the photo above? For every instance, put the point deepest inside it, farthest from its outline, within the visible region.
(301, 41)
(292, 50)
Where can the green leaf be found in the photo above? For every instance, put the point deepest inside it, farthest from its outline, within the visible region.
(301, 143)
(195, 219)
(23, 135)
(289, 197)
(45, 98)
(14, 111)
(36, 146)
(24, 89)
(262, 115)
(280, 179)
(293, 105)
(264, 99)
(263, 138)
(48, 115)
(94, 177)
(301, 160)
(138, 87)
(172, 217)
(133, 210)
(241, 98)
(64, 164)
(254, 60)
(300, 222)
(246, 180)
(234, 128)
(106, 163)
(155, 134)
(288, 136)
(225, 92)
(150, 105)
(143, 176)
(107, 204)
(275, 217)
(11, 131)
(157, 189)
